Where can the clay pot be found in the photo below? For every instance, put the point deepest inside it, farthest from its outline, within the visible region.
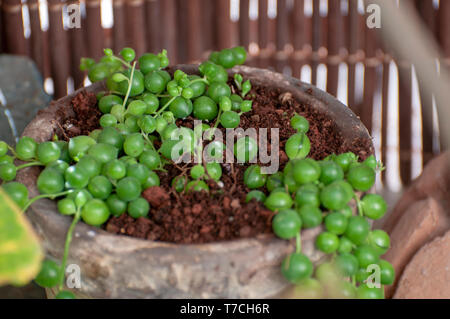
(114, 266)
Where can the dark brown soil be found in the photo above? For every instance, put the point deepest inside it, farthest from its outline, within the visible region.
(84, 118)
(222, 214)
(197, 217)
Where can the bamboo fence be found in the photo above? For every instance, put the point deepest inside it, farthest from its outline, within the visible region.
(297, 33)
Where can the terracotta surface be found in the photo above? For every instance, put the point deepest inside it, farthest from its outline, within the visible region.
(428, 273)
(420, 224)
(421, 215)
(433, 182)
(123, 267)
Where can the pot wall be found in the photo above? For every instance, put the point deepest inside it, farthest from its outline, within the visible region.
(115, 266)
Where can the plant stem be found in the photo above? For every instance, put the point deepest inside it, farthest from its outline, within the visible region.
(145, 136)
(203, 79)
(67, 246)
(358, 205)
(165, 106)
(380, 167)
(302, 139)
(160, 168)
(113, 182)
(298, 243)
(198, 144)
(216, 124)
(37, 163)
(130, 84)
(128, 65)
(238, 85)
(13, 151)
(51, 196)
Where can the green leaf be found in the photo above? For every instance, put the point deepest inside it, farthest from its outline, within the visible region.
(119, 77)
(81, 199)
(20, 252)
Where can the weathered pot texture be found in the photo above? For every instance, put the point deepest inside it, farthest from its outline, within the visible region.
(114, 266)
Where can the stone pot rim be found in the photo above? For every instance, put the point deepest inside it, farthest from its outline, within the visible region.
(52, 226)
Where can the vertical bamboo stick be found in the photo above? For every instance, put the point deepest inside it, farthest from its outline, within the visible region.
(316, 39)
(252, 59)
(263, 33)
(324, 26)
(59, 55)
(46, 54)
(385, 79)
(244, 24)
(78, 50)
(405, 114)
(134, 26)
(2, 34)
(194, 24)
(353, 46)
(427, 124)
(384, 115)
(168, 29)
(308, 39)
(369, 79)
(272, 38)
(94, 29)
(207, 19)
(405, 128)
(119, 32)
(108, 40)
(183, 29)
(224, 34)
(356, 27)
(13, 27)
(335, 43)
(36, 40)
(299, 38)
(444, 39)
(152, 19)
(428, 14)
(444, 27)
(282, 35)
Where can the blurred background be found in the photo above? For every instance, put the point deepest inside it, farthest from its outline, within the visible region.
(329, 43)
